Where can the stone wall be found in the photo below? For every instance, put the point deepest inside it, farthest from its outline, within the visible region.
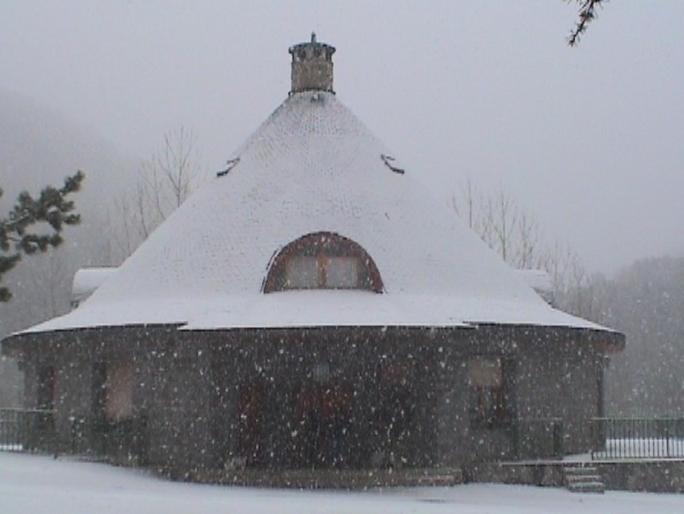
(649, 475)
(459, 440)
(555, 376)
(652, 476)
(188, 385)
(11, 384)
(560, 380)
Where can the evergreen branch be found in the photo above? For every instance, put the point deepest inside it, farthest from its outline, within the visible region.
(587, 13)
(52, 207)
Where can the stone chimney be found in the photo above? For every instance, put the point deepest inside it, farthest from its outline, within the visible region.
(312, 66)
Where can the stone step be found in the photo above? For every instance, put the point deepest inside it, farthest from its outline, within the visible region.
(571, 479)
(580, 470)
(583, 479)
(587, 487)
(335, 478)
(437, 480)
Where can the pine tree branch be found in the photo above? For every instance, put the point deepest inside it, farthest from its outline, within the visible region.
(53, 208)
(587, 13)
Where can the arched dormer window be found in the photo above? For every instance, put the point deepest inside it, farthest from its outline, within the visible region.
(322, 260)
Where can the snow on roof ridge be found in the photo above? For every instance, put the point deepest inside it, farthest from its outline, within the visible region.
(312, 166)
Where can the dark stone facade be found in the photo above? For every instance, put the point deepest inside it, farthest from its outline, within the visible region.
(337, 397)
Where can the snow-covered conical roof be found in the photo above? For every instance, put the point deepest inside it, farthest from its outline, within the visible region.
(312, 166)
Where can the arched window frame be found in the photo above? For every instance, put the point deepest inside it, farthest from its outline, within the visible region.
(322, 245)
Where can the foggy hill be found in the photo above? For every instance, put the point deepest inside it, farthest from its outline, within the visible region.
(39, 147)
(646, 302)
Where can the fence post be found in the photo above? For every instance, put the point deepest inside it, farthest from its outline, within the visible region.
(72, 422)
(667, 439)
(558, 433)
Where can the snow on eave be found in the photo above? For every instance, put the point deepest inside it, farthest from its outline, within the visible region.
(87, 280)
(312, 166)
(313, 309)
(537, 279)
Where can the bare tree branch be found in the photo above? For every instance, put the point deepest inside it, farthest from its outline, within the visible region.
(514, 234)
(164, 182)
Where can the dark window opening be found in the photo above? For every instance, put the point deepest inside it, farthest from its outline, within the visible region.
(120, 382)
(490, 393)
(112, 390)
(46, 397)
(99, 390)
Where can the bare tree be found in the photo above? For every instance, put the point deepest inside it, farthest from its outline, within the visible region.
(122, 223)
(515, 234)
(528, 230)
(166, 179)
(502, 218)
(164, 182)
(500, 222)
(465, 204)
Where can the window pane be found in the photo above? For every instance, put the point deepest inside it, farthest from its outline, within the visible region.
(119, 401)
(342, 273)
(485, 372)
(301, 272)
(322, 260)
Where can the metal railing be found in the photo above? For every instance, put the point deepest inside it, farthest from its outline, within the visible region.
(34, 430)
(637, 438)
(25, 429)
(118, 441)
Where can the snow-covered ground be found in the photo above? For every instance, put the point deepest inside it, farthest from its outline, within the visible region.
(39, 484)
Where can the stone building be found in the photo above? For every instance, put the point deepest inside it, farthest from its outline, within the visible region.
(314, 307)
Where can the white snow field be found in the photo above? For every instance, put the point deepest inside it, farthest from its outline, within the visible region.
(39, 484)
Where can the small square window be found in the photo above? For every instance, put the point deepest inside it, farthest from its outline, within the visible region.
(342, 273)
(301, 272)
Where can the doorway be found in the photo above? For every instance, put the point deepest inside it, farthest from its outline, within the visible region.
(322, 419)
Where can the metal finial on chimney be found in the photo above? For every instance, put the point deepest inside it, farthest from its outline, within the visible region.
(312, 66)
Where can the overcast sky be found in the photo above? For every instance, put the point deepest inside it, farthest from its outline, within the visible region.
(588, 139)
